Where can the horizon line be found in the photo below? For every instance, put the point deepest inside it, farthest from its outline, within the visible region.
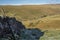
(30, 4)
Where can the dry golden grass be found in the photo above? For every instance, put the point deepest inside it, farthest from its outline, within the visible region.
(32, 11)
(36, 16)
(47, 23)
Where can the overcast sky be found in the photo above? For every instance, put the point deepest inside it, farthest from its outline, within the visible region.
(20, 2)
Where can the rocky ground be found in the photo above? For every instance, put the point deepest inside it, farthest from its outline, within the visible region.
(11, 29)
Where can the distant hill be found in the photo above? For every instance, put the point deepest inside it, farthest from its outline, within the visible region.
(40, 16)
(32, 11)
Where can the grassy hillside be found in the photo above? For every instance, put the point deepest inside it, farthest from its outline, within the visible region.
(35, 16)
(46, 23)
(32, 11)
(44, 17)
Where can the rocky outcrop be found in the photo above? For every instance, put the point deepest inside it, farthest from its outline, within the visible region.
(12, 29)
(31, 34)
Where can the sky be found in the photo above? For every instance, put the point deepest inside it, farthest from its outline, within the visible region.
(21, 2)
